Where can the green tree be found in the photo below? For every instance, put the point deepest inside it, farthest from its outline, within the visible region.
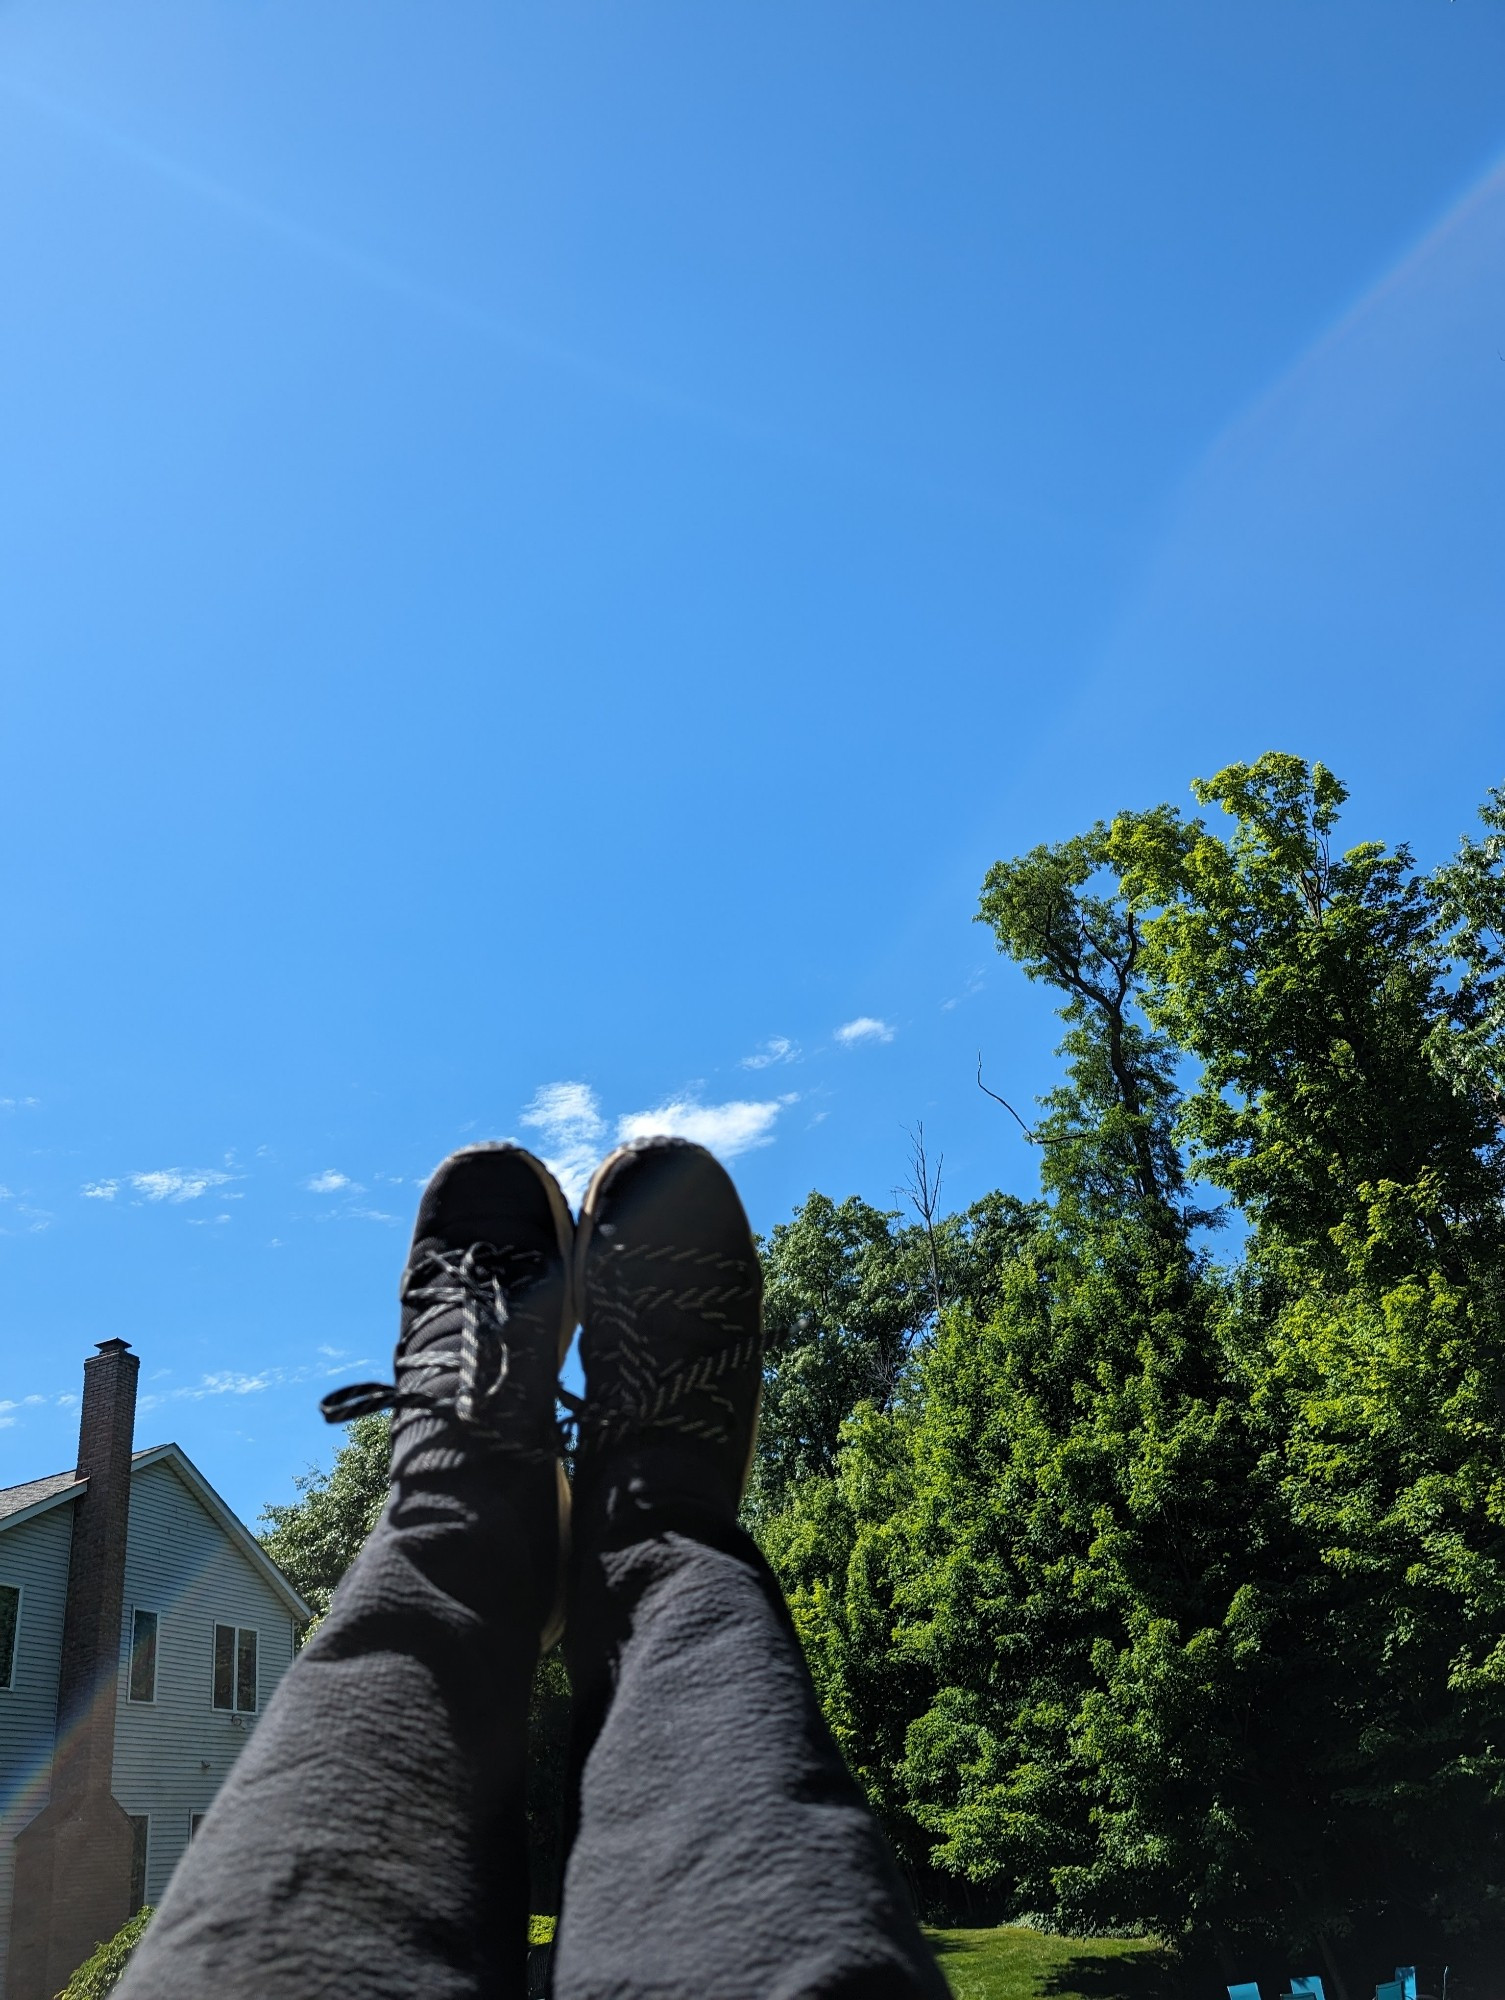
(1250, 1520)
(846, 1294)
(314, 1539)
(1346, 1014)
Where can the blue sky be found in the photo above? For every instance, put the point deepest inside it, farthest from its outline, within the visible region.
(546, 548)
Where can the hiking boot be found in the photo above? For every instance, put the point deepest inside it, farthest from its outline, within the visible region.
(487, 1316)
(671, 1293)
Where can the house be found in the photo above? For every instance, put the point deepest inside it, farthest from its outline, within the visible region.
(142, 1631)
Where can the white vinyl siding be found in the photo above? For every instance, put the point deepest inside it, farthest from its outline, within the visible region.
(34, 1558)
(172, 1754)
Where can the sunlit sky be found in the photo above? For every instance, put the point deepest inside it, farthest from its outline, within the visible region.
(546, 548)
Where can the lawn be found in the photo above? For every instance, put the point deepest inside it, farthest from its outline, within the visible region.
(1010, 1964)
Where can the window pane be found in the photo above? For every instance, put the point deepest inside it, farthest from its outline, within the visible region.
(140, 1833)
(224, 1666)
(245, 1671)
(10, 1615)
(144, 1657)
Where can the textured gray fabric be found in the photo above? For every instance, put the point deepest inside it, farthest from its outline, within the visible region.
(369, 1843)
(721, 1847)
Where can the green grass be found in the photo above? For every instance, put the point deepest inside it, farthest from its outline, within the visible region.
(1010, 1964)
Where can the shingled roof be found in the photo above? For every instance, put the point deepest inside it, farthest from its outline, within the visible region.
(35, 1494)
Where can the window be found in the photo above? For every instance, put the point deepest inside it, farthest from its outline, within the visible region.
(10, 1623)
(141, 1828)
(143, 1679)
(195, 1821)
(235, 1668)
(245, 1670)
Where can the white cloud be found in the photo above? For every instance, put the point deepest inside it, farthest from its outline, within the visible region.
(568, 1116)
(235, 1382)
(230, 1383)
(174, 1184)
(5, 1194)
(727, 1129)
(777, 1049)
(866, 1028)
(100, 1190)
(226, 1382)
(329, 1182)
(206, 1221)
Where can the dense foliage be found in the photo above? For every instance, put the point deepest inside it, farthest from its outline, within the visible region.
(1147, 1588)
(103, 1970)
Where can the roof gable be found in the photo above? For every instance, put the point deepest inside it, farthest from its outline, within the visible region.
(35, 1496)
(230, 1524)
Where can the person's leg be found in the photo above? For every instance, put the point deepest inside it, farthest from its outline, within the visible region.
(721, 1847)
(370, 1840)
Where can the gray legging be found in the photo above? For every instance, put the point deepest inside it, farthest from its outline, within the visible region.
(370, 1840)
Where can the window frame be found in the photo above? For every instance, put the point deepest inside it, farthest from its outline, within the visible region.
(8, 1685)
(233, 1707)
(141, 1858)
(143, 1700)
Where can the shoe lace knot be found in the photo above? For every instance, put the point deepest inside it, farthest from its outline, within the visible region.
(476, 1290)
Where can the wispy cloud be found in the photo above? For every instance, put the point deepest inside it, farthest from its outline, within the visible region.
(777, 1049)
(567, 1116)
(330, 1182)
(238, 1382)
(8, 1408)
(727, 1129)
(19, 1103)
(973, 985)
(174, 1184)
(866, 1028)
(161, 1184)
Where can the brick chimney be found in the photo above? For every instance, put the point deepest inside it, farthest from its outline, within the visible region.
(88, 1675)
(73, 1861)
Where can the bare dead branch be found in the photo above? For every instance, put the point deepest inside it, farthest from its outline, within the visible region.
(923, 1189)
(1034, 1138)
